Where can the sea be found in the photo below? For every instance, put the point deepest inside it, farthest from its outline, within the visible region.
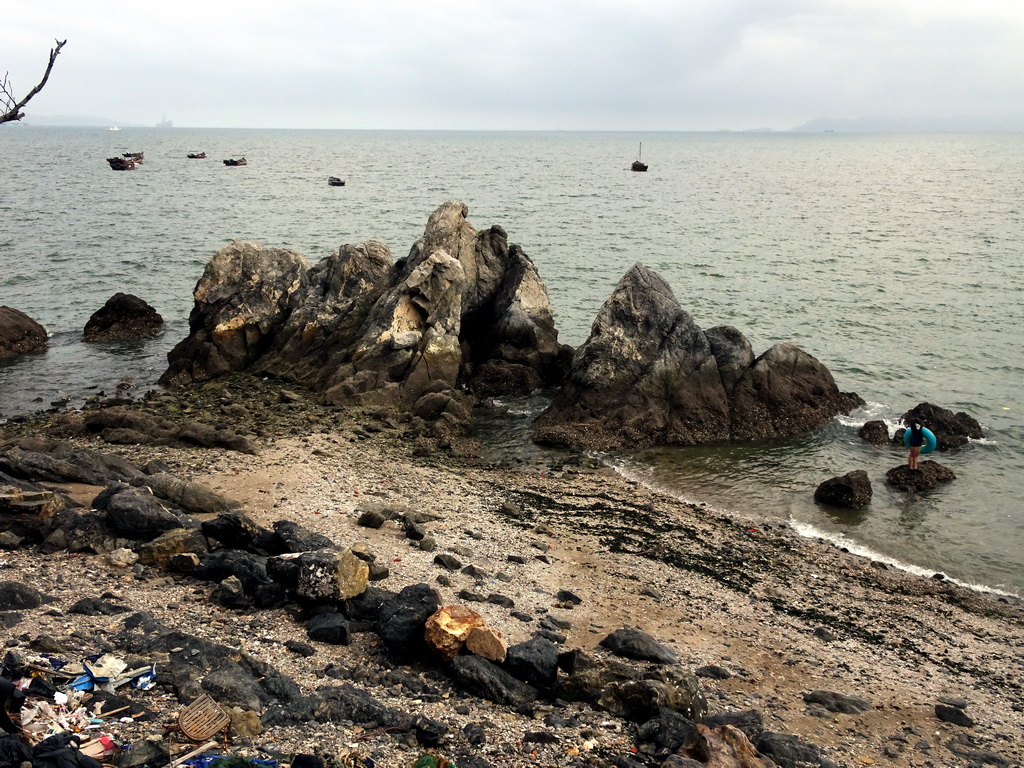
(894, 259)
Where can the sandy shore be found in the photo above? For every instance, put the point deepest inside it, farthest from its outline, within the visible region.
(779, 615)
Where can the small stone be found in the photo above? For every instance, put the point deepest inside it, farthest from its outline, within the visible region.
(954, 715)
(565, 596)
(448, 562)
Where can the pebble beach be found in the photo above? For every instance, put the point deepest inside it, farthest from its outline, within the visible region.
(765, 617)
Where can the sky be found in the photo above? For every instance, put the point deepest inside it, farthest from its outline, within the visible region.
(629, 65)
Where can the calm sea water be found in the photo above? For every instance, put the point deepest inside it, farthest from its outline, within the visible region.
(894, 259)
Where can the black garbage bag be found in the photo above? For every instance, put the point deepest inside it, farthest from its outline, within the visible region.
(61, 751)
(13, 752)
(11, 700)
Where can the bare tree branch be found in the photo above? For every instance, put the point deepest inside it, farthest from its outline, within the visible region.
(8, 101)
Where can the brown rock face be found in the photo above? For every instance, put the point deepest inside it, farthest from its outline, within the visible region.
(19, 333)
(649, 376)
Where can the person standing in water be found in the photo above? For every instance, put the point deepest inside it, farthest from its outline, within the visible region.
(916, 441)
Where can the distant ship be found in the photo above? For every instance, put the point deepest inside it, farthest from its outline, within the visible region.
(165, 123)
(113, 128)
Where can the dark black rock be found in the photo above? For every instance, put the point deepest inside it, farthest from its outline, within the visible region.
(930, 475)
(15, 596)
(554, 637)
(346, 703)
(123, 318)
(489, 681)
(403, 617)
(292, 537)
(249, 568)
(534, 662)
(448, 562)
(329, 628)
(874, 432)
(713, 672)
(954, 715)
(371, 518)
(137, 514)
(666, 733)
(366, 605)
(302, 649)
(849, 491)
(230, 684)
(19, 333)
(788, 751)
(474, 734)
(231, 594)
(750, 721)
(838, 702)
(91, 606)
(566, 596)
(236, 530)
(636, 644)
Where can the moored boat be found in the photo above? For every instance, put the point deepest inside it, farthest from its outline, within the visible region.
(637, 164)
(238, 161)
(334, 181)
(197, 156)
(121, 163)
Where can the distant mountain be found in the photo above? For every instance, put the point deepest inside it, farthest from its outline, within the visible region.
(78, 121)
(948, 123)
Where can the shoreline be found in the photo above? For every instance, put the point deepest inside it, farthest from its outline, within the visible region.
(780, 613)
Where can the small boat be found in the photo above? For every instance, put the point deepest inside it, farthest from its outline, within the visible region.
(136, 156)
(197, 156)
(637, 165)
(334, 181)
(113, 128)
(239, 161)
(121, 163)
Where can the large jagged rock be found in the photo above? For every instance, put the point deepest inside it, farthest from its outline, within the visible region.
(649, 376)
(123, 318)
(240, 304)
(646, 376)
(19, 333)
(464, 308)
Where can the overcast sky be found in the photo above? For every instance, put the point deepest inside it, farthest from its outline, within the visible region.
(517, 64)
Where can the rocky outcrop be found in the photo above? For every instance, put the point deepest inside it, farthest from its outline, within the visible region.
(463, 309)
(850, 491)
(648, 375)
(875, 432)
(952, 430)
(19, 333)
(240, 304)
(929, 475)
(123, 318)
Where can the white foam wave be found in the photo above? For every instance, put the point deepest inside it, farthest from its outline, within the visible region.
(630, 471)
(809, 531)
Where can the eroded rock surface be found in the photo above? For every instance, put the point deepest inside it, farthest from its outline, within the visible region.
(648, 375)
(464, 308)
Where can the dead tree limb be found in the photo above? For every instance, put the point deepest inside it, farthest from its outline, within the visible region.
(9, 102)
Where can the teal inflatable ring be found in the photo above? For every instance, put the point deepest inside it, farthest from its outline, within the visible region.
(929, 440)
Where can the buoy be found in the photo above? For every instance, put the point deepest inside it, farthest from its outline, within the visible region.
(930, 442)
